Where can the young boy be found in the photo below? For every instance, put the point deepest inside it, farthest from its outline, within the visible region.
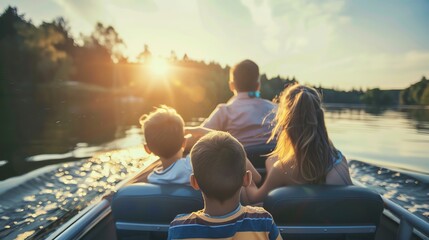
(164, 133)
(219, 171)
(246, 116)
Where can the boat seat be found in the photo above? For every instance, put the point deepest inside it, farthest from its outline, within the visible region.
(325, 211)
(144, 210)
(257, 154)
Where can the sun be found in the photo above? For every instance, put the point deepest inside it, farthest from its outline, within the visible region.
(159, 66)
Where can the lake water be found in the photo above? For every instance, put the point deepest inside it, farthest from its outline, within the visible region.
(389, 137)
(388, 150)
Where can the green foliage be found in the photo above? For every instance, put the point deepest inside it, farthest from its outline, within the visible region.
(416, 94)
(271, 88)
(377, 97)
(338, 96)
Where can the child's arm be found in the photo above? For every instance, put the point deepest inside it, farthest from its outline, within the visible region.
(256, 177)
(196, 134)
(275, 179)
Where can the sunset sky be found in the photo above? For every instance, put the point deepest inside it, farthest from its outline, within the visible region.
(343, 44)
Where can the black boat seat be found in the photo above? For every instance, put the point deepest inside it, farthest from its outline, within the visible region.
(325, 211)
(257, 154)
(144, 210)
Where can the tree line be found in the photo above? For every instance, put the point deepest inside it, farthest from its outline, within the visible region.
(57, 86)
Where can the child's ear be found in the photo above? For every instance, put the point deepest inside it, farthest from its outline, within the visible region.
(194, 182)
(146, 148)
(231, 86)
(184, 142)
(247, 178)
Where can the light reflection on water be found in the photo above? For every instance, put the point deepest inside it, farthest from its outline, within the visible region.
(408, 192)
(50, 199)
(390, 138)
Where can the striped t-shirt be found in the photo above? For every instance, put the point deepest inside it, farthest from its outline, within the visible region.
(246, 222)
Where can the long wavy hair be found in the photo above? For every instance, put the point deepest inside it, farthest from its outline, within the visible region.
(302, 138)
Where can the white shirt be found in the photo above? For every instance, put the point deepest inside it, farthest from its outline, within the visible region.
(247, 119)
(177, 173)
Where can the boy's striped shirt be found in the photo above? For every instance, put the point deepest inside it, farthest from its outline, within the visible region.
(246, 222)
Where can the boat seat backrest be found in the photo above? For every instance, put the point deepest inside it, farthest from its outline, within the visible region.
(325, 209)
(257, 154)
(145, 207)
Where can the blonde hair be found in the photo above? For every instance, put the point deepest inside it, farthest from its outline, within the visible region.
(163, 130)
(302, 138)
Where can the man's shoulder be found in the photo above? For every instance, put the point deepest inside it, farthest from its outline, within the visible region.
(267, 102)
(222, 105)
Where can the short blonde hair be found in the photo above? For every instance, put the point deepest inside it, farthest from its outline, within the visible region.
(163, 130)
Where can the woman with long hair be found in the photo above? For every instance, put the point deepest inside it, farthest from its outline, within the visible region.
(304, 153)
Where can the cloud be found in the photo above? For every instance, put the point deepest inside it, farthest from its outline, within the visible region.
(89, 11)
(294, 27)
(85, 13)
(262, 17)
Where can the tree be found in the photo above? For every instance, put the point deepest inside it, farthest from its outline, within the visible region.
(8, 20)
(416, 93)
(377, 97)
(173, 56)
(108, 38)
(52, 63)
(145, 56)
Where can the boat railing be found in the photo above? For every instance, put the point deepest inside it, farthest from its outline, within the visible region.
(408, 222)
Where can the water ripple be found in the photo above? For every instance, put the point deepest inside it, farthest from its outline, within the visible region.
(406, 191)
(38, 206)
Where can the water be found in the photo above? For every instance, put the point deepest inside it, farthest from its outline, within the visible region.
(396, 138)
(35, 204)
(407, 191)
(392, 151)
(390, 148)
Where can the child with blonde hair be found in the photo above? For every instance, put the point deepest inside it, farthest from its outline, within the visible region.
(163, 131)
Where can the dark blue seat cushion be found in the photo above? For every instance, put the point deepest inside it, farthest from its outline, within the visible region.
(257, 154)
(324, 205)
(154, 204)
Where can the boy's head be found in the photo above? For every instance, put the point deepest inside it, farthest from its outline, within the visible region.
(164, 131)
(219, 165)
(244, 76)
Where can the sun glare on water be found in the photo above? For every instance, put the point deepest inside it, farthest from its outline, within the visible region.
(159, 66)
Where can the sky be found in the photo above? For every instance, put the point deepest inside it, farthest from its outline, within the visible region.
(334, 43)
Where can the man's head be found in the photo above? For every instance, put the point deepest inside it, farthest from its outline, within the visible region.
(219, 166)
(244, 76)
(164, 131)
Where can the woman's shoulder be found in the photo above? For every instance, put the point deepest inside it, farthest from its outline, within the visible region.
(339, 174)
(286, 171)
